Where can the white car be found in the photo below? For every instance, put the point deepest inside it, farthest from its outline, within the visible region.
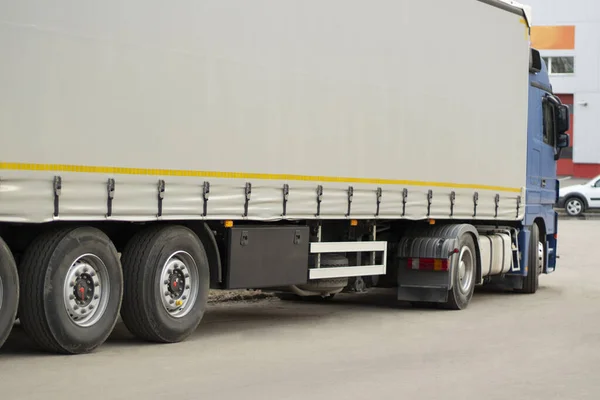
(578, 198)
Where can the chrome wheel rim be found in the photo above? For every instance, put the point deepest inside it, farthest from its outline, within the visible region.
(540, 257)
(86, 290)
(466, 266)
(574, 207)
(179, 283)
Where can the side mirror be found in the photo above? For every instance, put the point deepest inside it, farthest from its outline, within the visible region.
(563, 141)
(535, 61)
(562, 123)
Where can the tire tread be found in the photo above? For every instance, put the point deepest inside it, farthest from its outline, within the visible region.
(132, 311)
(453, 303)
(33, 276)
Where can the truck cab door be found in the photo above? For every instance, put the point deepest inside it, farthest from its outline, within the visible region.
(547, 150)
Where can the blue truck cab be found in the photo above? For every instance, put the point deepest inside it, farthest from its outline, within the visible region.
(548, 121)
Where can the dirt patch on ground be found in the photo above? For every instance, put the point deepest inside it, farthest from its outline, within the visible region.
(221, 296)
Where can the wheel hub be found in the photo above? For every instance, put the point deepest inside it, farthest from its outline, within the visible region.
(466, 266)
(83, 291)
(574, 207)
(179, 284)
(86, 290)
(540, 257)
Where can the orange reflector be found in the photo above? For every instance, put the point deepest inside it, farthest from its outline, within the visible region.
(353, 222)
(228, 224)
(432, 222)
(556, 236)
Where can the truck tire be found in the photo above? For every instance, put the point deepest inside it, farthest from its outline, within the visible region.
(167, 280)
(464, 276)
(9, 291)
(531, 282)
(71, 290)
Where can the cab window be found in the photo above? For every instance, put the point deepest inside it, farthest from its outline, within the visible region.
(549, 119)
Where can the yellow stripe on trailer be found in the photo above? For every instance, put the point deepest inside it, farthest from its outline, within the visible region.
(14, 166)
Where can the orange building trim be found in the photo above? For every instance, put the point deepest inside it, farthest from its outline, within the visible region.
(558, 37)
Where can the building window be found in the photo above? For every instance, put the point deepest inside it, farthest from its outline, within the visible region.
(560, 65)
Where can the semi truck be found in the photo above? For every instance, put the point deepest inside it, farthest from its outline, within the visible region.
(151, 151)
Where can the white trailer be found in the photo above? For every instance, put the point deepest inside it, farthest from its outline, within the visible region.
(388, 95)
(152, 149)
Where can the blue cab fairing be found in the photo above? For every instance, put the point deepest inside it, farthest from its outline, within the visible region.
(542, 183)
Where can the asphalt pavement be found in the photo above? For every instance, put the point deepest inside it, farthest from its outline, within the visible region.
(542, 346)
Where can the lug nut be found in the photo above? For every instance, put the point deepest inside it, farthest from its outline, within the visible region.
(91, 307)
(187, 287)
(167, 294)
(96, 297)
(83, 311)
(166, 281)
(187, 276)
(170, 271)
(171, 301)
(92, 273)
(71, 297)
(97, 284)
(76, 308)
(184, 298)
(72, 284)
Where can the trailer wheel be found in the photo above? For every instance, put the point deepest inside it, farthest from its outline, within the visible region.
(166, 275)
(71, 290)
(9, 291)
(464, 275)
(535, 262)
